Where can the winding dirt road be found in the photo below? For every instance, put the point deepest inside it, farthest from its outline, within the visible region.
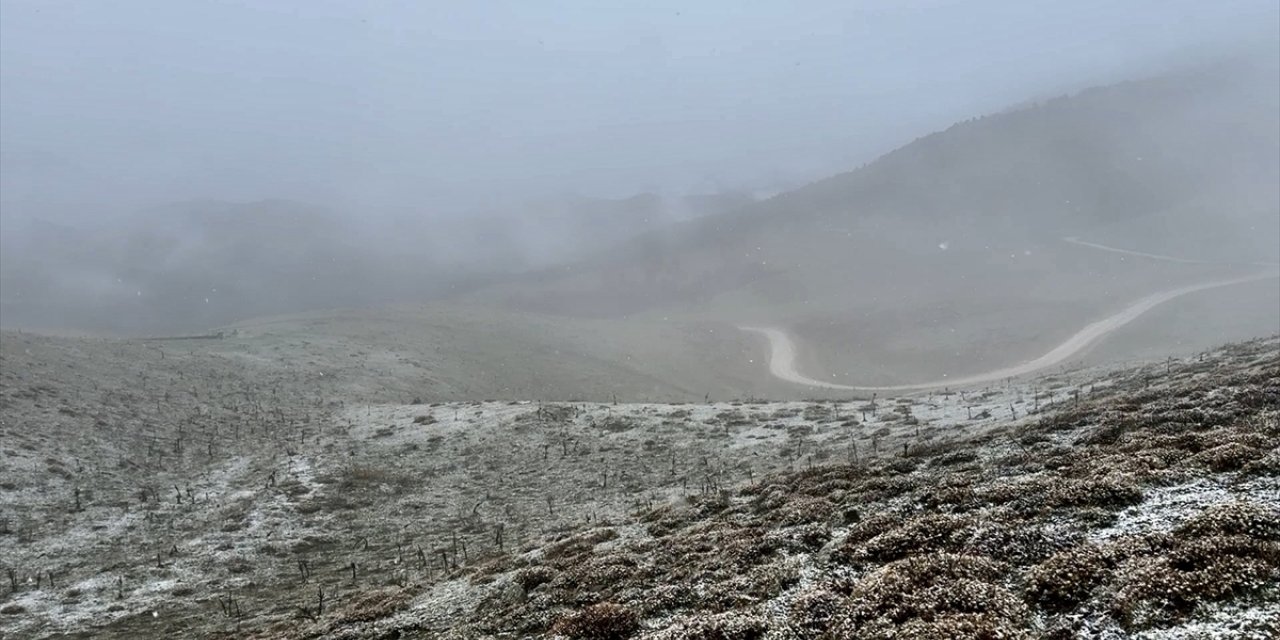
(1157, 256)
(782, 351)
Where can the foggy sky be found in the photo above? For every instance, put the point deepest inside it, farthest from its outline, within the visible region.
(398, 106)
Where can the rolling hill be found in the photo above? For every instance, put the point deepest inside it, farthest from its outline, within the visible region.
(947, 255)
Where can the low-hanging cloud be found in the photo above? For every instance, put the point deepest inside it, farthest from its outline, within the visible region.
(452, 143)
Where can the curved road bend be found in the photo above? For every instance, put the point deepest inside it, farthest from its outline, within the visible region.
(782, 351)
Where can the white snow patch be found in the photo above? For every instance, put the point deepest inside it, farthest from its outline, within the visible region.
(1164, 508)
(1260, 622)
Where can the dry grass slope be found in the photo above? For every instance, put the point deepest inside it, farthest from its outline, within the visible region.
(1044, 531)
(1139, 503)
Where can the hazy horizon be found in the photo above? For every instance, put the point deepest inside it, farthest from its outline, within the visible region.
(639, 321)
(204, 163)
(395, 109)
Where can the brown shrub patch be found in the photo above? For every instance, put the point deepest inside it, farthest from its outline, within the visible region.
(936, 594)
(603, 621)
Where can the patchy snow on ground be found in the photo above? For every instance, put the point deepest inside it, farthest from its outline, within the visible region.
(1260, 622)
(1164, 508)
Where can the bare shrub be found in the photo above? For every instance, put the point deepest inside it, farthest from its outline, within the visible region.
(1257, 521)
(374, 605)
(1070, 577)
(530, 578)
(814, 610)
(937, 594)
(1231, 456)
(732, 625)
(1170, 587)
(921, 534)
(803, 510)
(1111, 492)
(603, 621)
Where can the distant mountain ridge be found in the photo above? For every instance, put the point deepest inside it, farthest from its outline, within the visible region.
(192, 265)
(1184, 164)
(1193, 155)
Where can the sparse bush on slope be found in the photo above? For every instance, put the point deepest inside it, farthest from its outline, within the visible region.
(1058, 527)
(604, 621)
(1006, 549)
